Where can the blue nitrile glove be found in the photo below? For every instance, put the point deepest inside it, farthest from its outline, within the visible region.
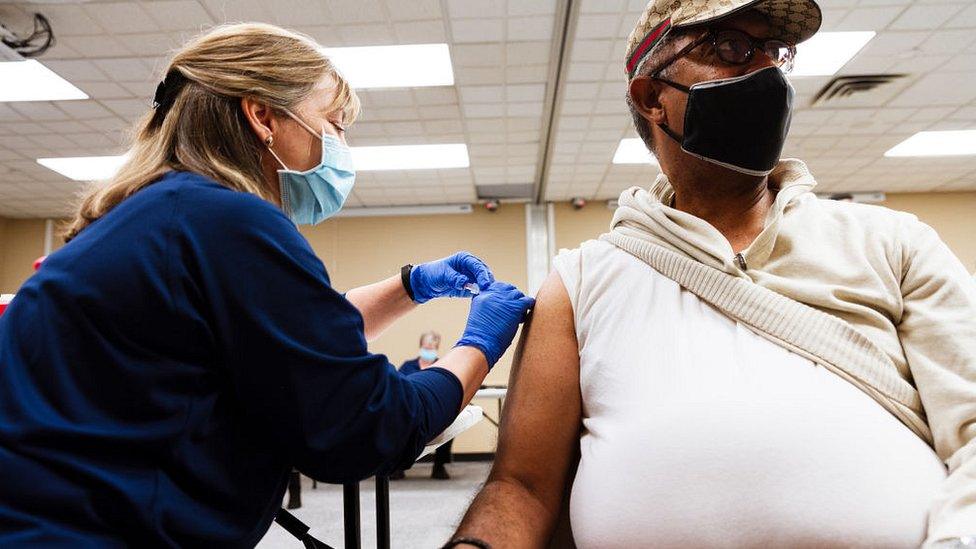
(447, 277)
(494, 318)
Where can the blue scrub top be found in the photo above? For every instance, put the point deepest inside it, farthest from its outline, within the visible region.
(412, 366)
(163, 372)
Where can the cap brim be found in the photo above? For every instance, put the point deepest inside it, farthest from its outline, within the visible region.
(792, 21)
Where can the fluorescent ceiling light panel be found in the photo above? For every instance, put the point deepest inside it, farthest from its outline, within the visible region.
(84, 168)
(410, 157)
(937, 143)
(827, 52)
(31, 81)
(406, 66)
(633, 151)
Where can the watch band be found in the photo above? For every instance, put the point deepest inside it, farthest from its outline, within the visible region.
(479, 543)
(405, 280)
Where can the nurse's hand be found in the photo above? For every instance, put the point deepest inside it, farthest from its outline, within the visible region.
(494, 318)
(447, 277)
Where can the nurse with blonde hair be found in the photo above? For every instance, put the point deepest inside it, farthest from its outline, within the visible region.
(163, 372)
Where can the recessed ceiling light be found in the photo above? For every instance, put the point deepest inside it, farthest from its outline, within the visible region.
(395, 157)
(827, 52)
(84, 168)
(937, 143)
(31, 81)
(410, 157)
(632, 150)
(405, 66)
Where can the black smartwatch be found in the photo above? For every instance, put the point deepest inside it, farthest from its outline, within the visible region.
(405, 279)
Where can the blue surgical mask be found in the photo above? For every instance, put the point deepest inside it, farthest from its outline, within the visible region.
(312, 196)
(429, 355)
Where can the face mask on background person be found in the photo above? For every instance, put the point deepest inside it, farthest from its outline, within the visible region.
(312, 196)
(430, 355)
(739, 123)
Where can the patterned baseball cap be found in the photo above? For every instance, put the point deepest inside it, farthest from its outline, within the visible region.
(792, 21)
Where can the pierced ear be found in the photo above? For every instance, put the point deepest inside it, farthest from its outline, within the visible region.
(645, 94)
(261, 117)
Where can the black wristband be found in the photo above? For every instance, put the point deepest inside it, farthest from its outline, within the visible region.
(479, 543)
(405, 279)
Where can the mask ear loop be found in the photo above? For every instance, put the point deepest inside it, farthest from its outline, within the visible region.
(309, 129)
(674, 85)
(269, 142)
(671, 133)
(303, 124)
(664, 127)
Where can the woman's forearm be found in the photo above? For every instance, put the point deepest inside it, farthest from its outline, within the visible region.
(381, 304)
(469, 366)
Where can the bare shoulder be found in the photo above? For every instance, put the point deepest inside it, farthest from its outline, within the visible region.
(553, 304)
(544, 392)
(549, 337)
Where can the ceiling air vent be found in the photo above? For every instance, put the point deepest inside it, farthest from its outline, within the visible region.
(844, 87)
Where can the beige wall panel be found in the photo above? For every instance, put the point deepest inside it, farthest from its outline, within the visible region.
(3, 247)
(22, 242)
(573, 227)
(952, 215)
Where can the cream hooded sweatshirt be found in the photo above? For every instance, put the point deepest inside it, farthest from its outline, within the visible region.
(886, 273)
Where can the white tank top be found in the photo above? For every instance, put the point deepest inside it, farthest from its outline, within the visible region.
(699, 433)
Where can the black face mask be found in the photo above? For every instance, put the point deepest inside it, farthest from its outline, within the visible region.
(739, 123)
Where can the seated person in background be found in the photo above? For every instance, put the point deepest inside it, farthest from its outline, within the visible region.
(430, 344)
(689, 424)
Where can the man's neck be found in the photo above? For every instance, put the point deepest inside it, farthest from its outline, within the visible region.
(735, 204)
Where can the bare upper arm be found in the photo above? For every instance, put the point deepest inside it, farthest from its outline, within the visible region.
(540, 428)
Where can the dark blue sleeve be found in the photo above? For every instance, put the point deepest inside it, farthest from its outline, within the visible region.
(410, 367)
(294, 348)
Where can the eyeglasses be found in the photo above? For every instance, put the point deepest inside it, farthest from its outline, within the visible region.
(737, 48)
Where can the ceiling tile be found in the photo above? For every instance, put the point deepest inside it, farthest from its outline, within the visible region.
(527, 53)
(71, 19)
(939, 89)
(96, 46)
(121, 17)
(420, 32)
(531, 7)
(925, 16)
(414, 9)
(869, 18)
(531, 28)
(360, 11)
(964, 19)
(476, 9)
(598, 26)
(478, 30)
(171, 15)
(76, 70)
